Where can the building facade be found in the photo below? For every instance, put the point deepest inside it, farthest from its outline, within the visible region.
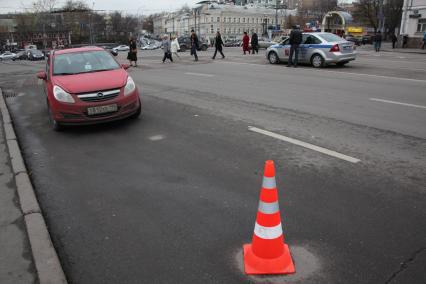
(413, 22)
(230, 20)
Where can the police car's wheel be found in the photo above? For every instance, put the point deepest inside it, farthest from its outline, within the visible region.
(317, 61)
(273, 58)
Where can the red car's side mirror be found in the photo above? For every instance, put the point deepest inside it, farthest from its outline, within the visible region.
(42, 75)
(125, 66)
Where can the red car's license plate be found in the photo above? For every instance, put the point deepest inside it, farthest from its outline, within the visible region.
(101, 109)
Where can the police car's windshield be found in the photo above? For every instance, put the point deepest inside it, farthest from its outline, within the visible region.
(83, 62)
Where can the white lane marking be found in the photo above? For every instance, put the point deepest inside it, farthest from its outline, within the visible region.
(305, 145)
(330, 71)
(374, 76)
(199, 74)
(397, 103)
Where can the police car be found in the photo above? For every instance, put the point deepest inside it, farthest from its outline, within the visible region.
(317, 49)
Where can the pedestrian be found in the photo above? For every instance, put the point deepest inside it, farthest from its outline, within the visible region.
(175, 47)
(218, 43)
(194, 45)
(254, 43)
(295, 41)
(424, 40)
(404, 41)
(377, 41)
(246, 41)
(394, 39)
(167, 49)
(132, 56)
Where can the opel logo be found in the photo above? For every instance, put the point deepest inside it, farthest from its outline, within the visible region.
(100, 95)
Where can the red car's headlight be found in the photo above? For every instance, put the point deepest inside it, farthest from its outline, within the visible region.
(130, 86)
(62, 96)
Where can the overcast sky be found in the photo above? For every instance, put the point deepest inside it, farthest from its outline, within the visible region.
(127, 6)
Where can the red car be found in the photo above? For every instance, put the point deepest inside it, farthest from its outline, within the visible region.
(87, 86)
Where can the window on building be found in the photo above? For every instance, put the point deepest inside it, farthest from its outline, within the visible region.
(212, 20)
(229, 20)
(239, 30)
(238, 20)
(421, 25)
(235, 20)
(257, 20)
(244, 20)
(211, 29)
(218, 19)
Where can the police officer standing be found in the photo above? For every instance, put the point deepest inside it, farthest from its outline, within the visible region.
(295, 41)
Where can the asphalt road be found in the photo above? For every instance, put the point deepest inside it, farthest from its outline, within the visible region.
(172, 197)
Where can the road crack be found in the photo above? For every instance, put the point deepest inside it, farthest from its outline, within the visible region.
(404, 265)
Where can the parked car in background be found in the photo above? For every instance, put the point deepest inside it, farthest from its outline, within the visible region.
(317, 49)
(7, 56)
(21, 55)
(35, 54)
(122, 48)
(355, 39)
(46, 51)
(185, 44)
(86, 86)
(265, 42)
(231, 43)
(367, 39)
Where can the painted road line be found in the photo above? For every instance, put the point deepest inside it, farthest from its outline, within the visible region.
(199, 74)
(397, 103)
(304, 144)
(330, 71)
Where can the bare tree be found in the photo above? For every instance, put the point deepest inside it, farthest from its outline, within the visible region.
(393, 13)
(43, 5)
(368, 11)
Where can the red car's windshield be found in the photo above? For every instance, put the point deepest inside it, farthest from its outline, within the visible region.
(83, 62)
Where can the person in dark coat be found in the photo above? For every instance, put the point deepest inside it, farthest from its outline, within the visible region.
(254, 43)
(246, 42)
(194, 44)
(295, 41)
(377, 41)
(394, 40)
(218, 43)
(132, 56)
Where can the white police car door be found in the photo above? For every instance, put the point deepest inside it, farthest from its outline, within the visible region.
(284, 50)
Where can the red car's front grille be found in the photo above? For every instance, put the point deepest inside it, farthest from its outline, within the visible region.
(100, 96)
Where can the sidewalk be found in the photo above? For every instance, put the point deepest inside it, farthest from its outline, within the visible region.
(387, 47)
(26, 251)
(16, 262)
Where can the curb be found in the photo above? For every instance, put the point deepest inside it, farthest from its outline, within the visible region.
(49, 269)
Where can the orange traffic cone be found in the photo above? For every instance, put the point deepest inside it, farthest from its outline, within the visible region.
(268, 254)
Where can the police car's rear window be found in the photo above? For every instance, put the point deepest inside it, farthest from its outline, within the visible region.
(330, 37)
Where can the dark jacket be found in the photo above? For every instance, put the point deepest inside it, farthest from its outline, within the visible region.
(254, 40)
(218, 42)
(194, 41)
(296, 36)
(378, 37)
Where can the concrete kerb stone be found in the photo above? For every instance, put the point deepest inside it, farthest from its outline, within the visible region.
(16, 157)
(46, 261)
(49, 269)
(26, 194)
(9, 131)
